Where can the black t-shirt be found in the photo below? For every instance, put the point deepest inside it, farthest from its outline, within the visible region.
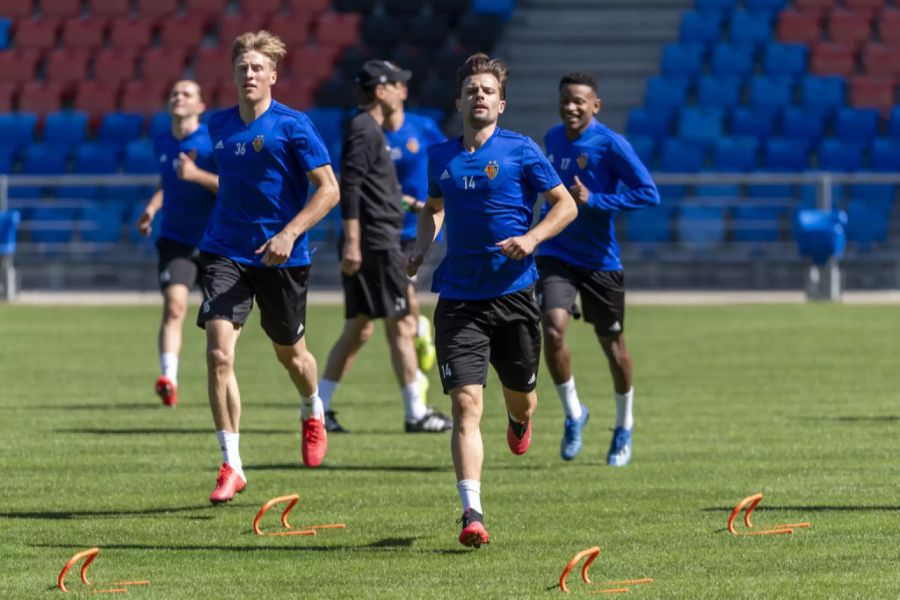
(370, 190)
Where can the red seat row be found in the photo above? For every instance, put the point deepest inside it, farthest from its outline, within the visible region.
(841, 25)
(830, 58)
(153, 9)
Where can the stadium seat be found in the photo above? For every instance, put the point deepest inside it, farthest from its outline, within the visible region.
(130, 32)
(700, 125)
(893, 126)
(338, 29)
(798, 26)
(715, 92)
(84, 32)
(8, 93)
(360, 6)
(96, 98)
(725, 193)
(700, 28)
(682, 60)
(645, 148)
(856, 124)
(40, 159)
(869, 5)
(502, 9)
(5, 29)
(872, 91)
(748, 122)
(61, 9)
(382, 29)
(839, 156)
(109, 8)
(769, 94)
(206, 8)
(313, 7)
(113, 66)
(881, 59)
(820, 5)
(721, 6)
(51, 224)
(40, 97)
(411, 58)
(822, 94)
(746, 28)
(337, 92)
(820, 234)
(735, 154)
(182, 32)
(66, 66)
(120, 128)
(296, 92)
(408, 8)
(312, 62)
(649, 226)
(100, 223)
(680, 156)
(66, 128)
(849, 27)
(884, 155)
(157, 9)
(19, 66)
(163, 64)
(889, 26)
(665, 93)
(212, 64)
(428, 31)
(803, 124)
(866, 224)
(700, 225)
(18, 129)
(96, 157)
(830, 58)
(642, 121)
(785, 154)
(730, 60)
(755, 222)
(38, 33)
(139, 158)
(232, 25)
(16, 8)
(7, 158)
(785, 60)
(770, 5)
(294, 30)
(477, 30)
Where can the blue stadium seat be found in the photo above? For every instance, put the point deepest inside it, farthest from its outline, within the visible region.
(643, 121)
(802, 124)
(785, 154)
(329, 122)
(785, 60)
(49, 224)
(680, 156)
(894, 123)
(672, 194)
(40, 159)
(722, 6)
(160, 122)
(5, 26)
(701, 225)
(7, 158)
(682, 60)
(701, 125)
(666, 93)
(649, 226)
(822, 94)
(737, 154)
(749, 28)
(498, 8)
(866, 224)
(140, 158)
(748, 122)
(18, 128)
(768, 93)
(725, 193)
(700, 28)
(645, 148)
(839, 155)
(770, 5)
(100, 223)
(820, 234)
(716, 92)
(120, 127)
(884, 155)
(732, 60)
(756, 223)
(96, 158)
(65, 128)
(856, 124)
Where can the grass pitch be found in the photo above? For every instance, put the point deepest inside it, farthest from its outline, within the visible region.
(798, 402)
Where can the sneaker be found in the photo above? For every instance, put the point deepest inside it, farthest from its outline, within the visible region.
(518, 445)
(331, 424)
(620, 449)
(167, 390)
(315, 442)
(571, 442)
(425, 351)
(433, 422)
(228, 483)
(473, 533)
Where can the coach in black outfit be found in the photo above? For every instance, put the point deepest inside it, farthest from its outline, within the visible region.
(373, 266)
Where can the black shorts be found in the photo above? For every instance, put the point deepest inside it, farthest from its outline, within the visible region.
(380, 288)
(504, 331)
(230, 287)
(177, 263)
(602, 293)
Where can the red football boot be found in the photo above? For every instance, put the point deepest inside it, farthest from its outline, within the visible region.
(166, 390)
(518, 445)
(473, 533)
(228, 483)
(315, 442)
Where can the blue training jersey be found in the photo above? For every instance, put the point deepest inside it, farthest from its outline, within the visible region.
(489, 195)
(602, 159)
(186, 205)
(409, 151)
(262, 181)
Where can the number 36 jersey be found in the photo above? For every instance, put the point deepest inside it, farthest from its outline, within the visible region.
(262, 180)
(489, 195)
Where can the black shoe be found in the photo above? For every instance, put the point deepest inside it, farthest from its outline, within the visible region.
(433, 422)
(331, 424)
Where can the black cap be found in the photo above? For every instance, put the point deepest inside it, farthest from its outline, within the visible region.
(376, 72)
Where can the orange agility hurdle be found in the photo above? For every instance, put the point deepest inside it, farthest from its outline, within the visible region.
(592, 554)
(750, 503)
(89, 556)
(292, 500)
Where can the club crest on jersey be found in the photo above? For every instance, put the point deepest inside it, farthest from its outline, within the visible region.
(492, 169)
(413, 145)
(582, 161)
(258, 142)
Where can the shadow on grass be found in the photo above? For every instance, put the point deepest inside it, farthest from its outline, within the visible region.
(98, 406)
(858, 418)
(116, 514)
(811, 508)
(387, 544)
(169, 431)
(388, 468)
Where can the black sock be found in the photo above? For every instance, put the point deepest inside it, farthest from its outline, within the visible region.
(518, 429)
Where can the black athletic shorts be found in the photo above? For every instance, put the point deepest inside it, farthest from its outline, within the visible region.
(504, 332)
(380, 288)
(230, 287)
(602, 293)
(177, 263)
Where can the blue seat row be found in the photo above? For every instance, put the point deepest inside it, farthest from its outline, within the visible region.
(734, 59)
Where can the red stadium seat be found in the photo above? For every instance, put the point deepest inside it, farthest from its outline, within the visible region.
(217, 92)
(144, 96)
(163, 64)
(338, 29)
(134, 33)
(8, 91)
(97, 98)
(66, 66)
(889, 26)
(266, 7)
(292, 28)
(313, 7)
(849, 27)
(37, 33)
(114, 65)
(156, 9)
(15, 8)
(295, 93)
(182, 32)
(84, 32)
(18, 66)
(61, 9)
(829, 58)
(109, 8)
(312, 63)
(213, 64)
(799, 26)
(233, 25)
(881, 59)
(206, 8)
(872, 91)
(40, 97)
(870, 5)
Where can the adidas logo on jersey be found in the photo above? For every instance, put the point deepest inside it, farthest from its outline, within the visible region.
(445, 175)
(219, 145)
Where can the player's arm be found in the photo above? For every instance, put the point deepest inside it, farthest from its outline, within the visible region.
(354, 167)
(279, 247)
(145, 221)
(627, 168)
(189, 171)
(431, 219)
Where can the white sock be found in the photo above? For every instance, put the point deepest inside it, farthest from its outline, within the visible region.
(470, 494)
(413, 403)
(424, 327)
(228, 442)
(168, 364)
(327, 388)
(568, 396)
(311, 406)
(624, 403)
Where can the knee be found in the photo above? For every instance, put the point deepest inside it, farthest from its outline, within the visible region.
(554, 336)
(365, 334)
(467, 408)
(219, 359)
(299, 362)
(174, 311)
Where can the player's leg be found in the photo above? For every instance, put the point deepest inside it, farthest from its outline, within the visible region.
(467, 448)
(301, 366)
(357, 331)
(425, 352)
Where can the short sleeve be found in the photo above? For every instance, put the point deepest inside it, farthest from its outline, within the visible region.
(537, 170)
(434, 188)
(307, 145)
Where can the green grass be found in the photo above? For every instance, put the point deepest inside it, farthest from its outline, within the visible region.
(799, 402)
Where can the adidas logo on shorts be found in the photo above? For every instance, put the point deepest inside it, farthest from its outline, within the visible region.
(533, 378)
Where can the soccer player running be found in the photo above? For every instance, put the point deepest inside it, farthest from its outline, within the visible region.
(372, 265)
(255, 247)
(484, 186)
(185, 196)
(592, 160)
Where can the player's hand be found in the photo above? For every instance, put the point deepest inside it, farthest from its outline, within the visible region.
(352, 259)
(518, 247)
(145, 223)
(411, 204)
(276, 250)
(413, 262)
(579, 192)
(187, 168)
